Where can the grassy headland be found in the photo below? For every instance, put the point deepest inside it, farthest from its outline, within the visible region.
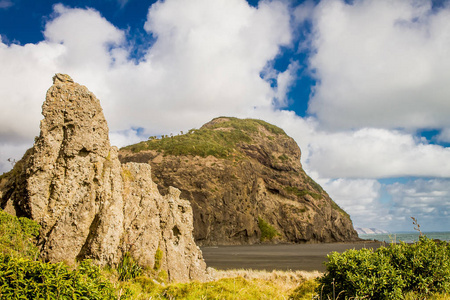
(216, 139)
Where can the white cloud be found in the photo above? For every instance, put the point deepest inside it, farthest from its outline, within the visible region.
(381, 64)
(391, 206)
(86, 36)
(426, 200)
(361, 199)
(376, 153)
(11, 153)
(4, 4)
(25, 75)
(365, 153)
(206, 62)
(304, 11)
(444, 135)
(126, 137)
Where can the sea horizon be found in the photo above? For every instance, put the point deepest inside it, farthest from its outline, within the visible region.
(406, 236)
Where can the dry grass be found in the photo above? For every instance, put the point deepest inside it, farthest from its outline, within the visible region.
(285, 280)
(230, 284)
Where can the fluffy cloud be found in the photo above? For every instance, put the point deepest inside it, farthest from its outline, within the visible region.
(364, 153)
(361, 199)
(391, 206)
(86, 36)
(4, 4)
(376, 153)
(444, 135)
(381, 64)
(206, 61)
(426, 200)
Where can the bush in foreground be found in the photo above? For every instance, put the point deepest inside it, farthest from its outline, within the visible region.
(21, 278)
(420, 269)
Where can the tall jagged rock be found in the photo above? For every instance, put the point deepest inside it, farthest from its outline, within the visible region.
(88, 204)
(239, 175)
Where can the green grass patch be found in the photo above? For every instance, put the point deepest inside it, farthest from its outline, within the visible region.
(208, 140)
(203, 142)
(18, 236)
(301, 193)
(283, 157)
(306, 290)
(340, 210)
(268, 232)
(226, 288)
(314, 184)
(128, 268)
(247, 125)
(158, 259)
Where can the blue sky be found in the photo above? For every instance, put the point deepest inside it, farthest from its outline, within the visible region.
(362, 86)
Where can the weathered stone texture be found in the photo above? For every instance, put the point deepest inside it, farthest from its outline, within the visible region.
(88, 204)
(264, 180)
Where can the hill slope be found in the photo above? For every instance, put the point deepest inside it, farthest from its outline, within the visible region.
(245, 183)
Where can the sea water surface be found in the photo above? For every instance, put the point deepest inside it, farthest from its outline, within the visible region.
(407, 237)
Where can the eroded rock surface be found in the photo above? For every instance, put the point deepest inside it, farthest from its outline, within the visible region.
(236, 172)
(88, 204)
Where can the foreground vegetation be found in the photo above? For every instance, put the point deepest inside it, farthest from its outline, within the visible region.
(420, 270)
(400, 271)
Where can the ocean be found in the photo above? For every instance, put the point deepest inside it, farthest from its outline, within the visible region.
(408, 237)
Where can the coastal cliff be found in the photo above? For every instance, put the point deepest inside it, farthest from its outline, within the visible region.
(245, 183)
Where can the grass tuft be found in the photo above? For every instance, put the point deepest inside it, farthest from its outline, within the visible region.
(18, 236)
(268, 232)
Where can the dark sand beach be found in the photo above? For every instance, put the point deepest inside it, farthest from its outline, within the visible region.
(306, 257)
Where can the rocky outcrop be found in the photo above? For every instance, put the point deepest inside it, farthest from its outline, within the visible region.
(239, 175)
(88, 204)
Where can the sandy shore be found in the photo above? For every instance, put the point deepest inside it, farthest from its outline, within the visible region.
(307, 257)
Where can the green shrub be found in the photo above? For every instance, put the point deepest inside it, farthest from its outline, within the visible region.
(128, 268)
(22, 278)
(18, 236)
(268, 232)
(424, 265)
(359, 273)
(421, 269)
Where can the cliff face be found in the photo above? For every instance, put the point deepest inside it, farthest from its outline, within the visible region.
(238, 175)
(88, 204)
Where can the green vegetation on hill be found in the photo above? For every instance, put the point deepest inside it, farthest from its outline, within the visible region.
(246, 125)
(217, 139)
(268, 232)
(301, 193)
